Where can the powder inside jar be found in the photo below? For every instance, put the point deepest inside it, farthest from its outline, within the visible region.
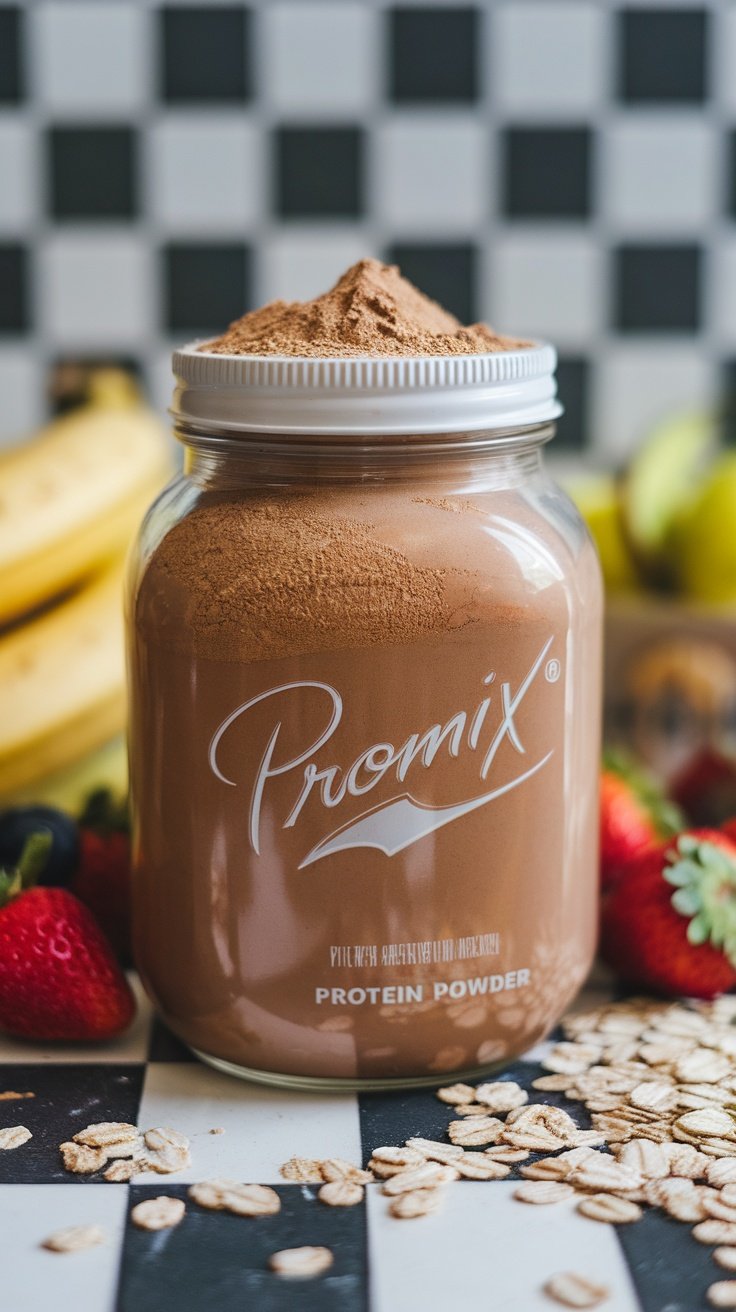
(370, 311)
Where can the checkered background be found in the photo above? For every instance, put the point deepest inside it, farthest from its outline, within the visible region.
(561, 167)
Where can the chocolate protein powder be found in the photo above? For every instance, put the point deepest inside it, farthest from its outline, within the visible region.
(365, 703)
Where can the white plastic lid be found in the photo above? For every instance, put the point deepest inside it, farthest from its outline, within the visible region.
(366, 395)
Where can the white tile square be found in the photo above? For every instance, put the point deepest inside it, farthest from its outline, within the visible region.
(723, 291)
(205, 174)
(96, 290)
(431, 174)
(640, 384)
(480, 1240)
(724, 50)
(19, 176)
(263, 1127)
(319, 58)
(547, 284)
(302, 262)
(34, 1278)
(660, 175)
(22, 381)
(91, 58)
(549, 57)
(129, 1047)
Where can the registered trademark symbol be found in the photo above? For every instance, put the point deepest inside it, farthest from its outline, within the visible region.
(552, 671)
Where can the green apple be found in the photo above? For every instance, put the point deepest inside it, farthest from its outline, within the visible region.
(704, 537)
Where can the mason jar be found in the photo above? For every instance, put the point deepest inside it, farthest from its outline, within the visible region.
(364, 651)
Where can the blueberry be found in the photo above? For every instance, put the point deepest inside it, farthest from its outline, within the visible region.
(19, 822)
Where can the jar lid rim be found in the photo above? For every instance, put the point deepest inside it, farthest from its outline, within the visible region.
(363, 395)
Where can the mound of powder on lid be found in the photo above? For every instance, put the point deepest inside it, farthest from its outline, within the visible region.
(371, 310)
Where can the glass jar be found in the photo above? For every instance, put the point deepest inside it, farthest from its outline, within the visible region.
(364, 657)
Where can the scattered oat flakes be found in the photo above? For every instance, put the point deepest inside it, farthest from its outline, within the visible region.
(575, 1291)
(722, 1293)
(501, 1096)
(81, 1159)
(476, 1166)
(341, 1193)
(10, 1095)
(74, 1238)
(335, 1168)
(456, 1093)
(241, 1199)
(476, 1132)
(501, 1153)
(105, 1133)
(301, 1263)
(715, 1232)
(610, 1208)
(433, 1151)
(218, 1129)
(14, 1136)
(417, 1202)
(721, 1172)
(302, 1170)
(123, 1169)
(158, 1213)
(426, 1176)
(726, 1257)
(543, 1191)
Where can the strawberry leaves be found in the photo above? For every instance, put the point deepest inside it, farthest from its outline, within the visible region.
(704, 879)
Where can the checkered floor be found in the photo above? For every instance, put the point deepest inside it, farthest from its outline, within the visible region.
(482, 1250)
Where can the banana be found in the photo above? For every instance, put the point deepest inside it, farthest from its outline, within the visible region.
(71, 498)
(62, 682)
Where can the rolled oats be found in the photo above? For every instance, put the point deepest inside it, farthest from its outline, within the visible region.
(74, 1238)
(14, 1136)
(702, 1067)
(80, 1159)
(427, 1176)
(715, 1205)
(158, 1213)
(679, 1198)
(709, 1122)
(500, 1153)
(610, 1208)
(721, 1172)
(335, 1168)
(722, 1293)
(501, 1096)
(302, 1170)
(430, 1150)
(726, 1257)
(573, 1290)
(476, 1166)
(646, 1157)
(241, 1199)
(654, 1096)
(543, 1191)
(715, 1232)
(301, 1263)
(477, 1132)
(123, 1169)
(601, 1173)
(105, 1133)
(341, 1193)
(417, 1202)
(456, 1093)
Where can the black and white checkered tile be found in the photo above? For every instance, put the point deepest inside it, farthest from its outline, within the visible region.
(482, 1250)
(561, 167)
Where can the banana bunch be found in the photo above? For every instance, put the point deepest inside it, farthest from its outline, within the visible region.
(71, 499)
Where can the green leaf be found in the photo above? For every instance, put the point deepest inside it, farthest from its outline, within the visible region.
(687, 901)
(697, 931)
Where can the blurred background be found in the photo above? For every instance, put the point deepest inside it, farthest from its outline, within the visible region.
(566, 169)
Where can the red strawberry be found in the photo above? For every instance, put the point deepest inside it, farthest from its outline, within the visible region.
(59, 978)
(669, 923)
(635, 816)
(102, 880)
(706, 788)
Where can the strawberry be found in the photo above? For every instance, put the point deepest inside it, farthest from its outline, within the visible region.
(102, 879)
(59, 978)
(706, 788)
(635, 815)
(669, 923)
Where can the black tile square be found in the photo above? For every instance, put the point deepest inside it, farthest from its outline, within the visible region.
(433, 55)
(547, 172)
(669, 1269)
(205, 54)
(14, 288)
(93, 172)
(12, 80)
(657, 288)
(216, 1260)
(67, 1098)
(731, 175)
(319, 172)
(663, 56)
(206, 285)
(573, 389)
(445, 271)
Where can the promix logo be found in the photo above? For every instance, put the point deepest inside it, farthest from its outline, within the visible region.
(394, 824)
